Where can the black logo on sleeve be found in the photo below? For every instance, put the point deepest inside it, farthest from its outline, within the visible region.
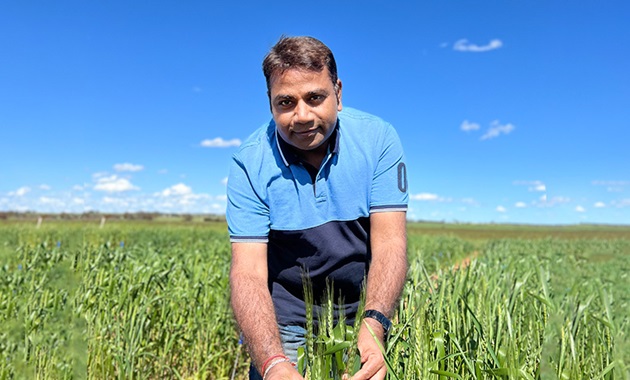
(402, 177)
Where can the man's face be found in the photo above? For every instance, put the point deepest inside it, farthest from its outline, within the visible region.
(304, 105)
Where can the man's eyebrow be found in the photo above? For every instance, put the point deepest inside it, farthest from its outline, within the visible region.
(318, 91)
(283, 97)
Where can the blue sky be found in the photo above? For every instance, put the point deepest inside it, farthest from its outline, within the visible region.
(509, 111)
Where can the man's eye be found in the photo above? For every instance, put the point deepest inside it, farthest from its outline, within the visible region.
(284, 103)
(316, 98)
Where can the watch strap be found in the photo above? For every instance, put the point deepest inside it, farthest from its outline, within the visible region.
(380, 317)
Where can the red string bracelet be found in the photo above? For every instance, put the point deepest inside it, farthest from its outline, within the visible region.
(270, 359)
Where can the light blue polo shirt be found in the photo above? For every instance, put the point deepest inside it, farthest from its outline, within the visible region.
(317, 226)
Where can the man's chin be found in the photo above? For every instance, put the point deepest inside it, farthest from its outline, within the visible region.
(306, 144)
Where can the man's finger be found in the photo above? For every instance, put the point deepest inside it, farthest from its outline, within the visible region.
(373, 366)
(380, 375)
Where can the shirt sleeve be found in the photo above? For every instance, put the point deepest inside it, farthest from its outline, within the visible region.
(389, 186)
(247, 215)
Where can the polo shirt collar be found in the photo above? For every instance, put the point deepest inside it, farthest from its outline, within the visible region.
(288, 154)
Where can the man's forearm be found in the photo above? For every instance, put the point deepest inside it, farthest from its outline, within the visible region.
(254, 313)
(385, 282)
(386, 278)
(388, 268)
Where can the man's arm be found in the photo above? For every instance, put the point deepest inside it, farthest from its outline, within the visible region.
(386, 278)
(253, 308)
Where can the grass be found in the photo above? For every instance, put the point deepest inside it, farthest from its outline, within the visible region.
(524, 309)
(150, 300)
(142, 303)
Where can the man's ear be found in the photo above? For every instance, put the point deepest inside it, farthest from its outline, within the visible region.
(338, 94)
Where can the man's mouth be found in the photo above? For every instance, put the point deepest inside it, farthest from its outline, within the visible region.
(305, 132)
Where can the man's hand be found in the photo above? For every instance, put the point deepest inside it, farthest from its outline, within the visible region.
(283, 371)
(372, 361)
(386, 278)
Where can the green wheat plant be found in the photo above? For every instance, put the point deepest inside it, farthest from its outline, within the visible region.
(331, 345)
(151, 301)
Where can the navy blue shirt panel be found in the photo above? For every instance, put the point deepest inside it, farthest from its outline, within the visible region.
(334, 254)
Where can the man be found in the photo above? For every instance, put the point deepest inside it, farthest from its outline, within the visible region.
(320, 191)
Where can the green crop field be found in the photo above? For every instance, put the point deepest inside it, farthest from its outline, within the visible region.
(150, 300)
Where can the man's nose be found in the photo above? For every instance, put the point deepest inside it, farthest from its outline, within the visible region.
(303, 112)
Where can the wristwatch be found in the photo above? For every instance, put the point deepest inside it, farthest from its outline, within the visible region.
(382, 319)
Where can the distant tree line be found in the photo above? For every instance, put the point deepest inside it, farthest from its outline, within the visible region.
(97, 216)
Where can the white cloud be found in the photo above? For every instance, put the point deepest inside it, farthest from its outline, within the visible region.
(614, 189)
(127, 167)
(424, 197)
(538, 187)
(621, 203)
(100, 174)
(116, 201)
(181, 198)
(464, 45)
(224, 181)
(497, 129)
(501, 209)
(612, 186)
(22, 191)
(114, 184)
(51, 202)
(468, 126)
(114, 195)
(218, 142)
(580, 209)
(43, 186)
(560, 199)
(546, 202)
(520, 205)
(176, 190)
(599, 205)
